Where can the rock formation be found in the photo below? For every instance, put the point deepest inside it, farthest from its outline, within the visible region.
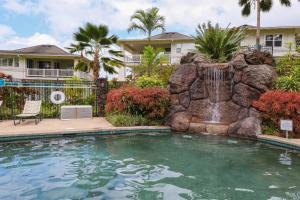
(217, 97)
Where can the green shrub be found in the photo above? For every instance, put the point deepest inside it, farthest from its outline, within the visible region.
(288, 83)
(287, 64)
(217, 43)
(118, 119)
(145, 81)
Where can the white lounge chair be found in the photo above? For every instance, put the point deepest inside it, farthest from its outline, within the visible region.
(1, 102)
(32, 109)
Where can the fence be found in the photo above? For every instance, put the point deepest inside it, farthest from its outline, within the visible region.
(263, 48)
(15, 93)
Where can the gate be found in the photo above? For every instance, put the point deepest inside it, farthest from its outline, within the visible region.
(15, 93)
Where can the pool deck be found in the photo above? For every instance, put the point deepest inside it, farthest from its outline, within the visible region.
(280, 141)
(48, 127)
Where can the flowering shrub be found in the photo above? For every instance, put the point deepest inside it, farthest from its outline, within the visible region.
(6, 76)
(276, 105)
(150, 102)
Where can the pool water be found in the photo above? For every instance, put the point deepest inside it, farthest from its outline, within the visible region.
(147, 167)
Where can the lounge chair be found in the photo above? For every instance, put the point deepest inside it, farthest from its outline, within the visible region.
(32, 109)
(1, 102)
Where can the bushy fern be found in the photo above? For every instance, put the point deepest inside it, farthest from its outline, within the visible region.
(217, 43)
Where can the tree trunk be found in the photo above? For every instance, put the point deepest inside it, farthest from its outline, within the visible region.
(258, 25)
(149, 44)
(96, 67)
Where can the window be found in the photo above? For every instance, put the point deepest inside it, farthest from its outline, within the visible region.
(278, 40)
(178, 48)
(9, 62)
(274, 40)
(269, 40)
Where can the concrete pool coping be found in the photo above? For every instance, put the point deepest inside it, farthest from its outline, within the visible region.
(293, 144)
(55, 128)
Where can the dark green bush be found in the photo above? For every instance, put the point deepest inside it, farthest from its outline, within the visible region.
(118, 119)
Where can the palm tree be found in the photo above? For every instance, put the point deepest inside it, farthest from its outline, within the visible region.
(261, 6)
(217, 43)
(94, 41)
(147, 21)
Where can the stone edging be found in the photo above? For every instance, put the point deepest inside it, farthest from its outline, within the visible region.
(277, 141)
(91, 132)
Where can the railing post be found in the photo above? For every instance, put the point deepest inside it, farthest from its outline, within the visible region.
(101, 93)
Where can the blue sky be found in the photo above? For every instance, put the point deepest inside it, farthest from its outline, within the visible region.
(31, 22)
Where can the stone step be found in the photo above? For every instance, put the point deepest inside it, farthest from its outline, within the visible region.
(207, 127)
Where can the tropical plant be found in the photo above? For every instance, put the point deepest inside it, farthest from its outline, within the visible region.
(152, 57)
(146, 81)
(298, 49)
(217, 43)
(261, 6)
(94, 40)
(288, 83)
(147, 21)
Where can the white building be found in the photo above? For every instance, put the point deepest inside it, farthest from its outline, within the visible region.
(175, 45)
(277, 39)
(42, 62)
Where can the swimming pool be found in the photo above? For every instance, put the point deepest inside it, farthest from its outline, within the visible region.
(168, 166)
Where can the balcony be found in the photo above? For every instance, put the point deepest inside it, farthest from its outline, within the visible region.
(56, 73)
(50, 73)
(135, 59)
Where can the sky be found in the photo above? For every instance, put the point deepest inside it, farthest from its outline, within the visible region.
(31, 22)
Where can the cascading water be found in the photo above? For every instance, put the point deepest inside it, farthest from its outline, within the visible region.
(216, 78)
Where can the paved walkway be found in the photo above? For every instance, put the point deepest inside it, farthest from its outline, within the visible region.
(276, 139)
(57, 126)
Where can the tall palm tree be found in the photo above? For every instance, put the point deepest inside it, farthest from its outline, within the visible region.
(261, 6)
(147, 21)
(94, 40)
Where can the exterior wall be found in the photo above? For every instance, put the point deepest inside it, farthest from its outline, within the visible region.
(288, 35)
(185, 48)
(16, 72)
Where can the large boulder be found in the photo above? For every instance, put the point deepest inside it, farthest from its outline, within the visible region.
(182, 78)
(249, 127)
(198, 90)
(180, 121)
(259, 58)
(244, 95)
(260, 77)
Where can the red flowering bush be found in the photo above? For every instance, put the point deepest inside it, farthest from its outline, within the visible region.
(276, 105)
(151, 102)
(6, 76)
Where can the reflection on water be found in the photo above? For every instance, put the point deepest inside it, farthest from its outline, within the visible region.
(147, 167)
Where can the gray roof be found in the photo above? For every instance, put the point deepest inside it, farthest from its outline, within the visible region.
(49, 50)
(171, 36)
(250, 27)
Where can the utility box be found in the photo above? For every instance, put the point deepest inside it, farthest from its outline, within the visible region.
(76, 112)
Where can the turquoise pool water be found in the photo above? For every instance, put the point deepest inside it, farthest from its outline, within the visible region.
(147, 167)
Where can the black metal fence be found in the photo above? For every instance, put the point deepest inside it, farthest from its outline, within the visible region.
(263, 48)
(15, 93)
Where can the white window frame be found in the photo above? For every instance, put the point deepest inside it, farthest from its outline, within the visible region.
(274, 36)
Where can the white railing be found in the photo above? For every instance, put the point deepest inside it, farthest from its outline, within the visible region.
(137, 58)
(50, 73)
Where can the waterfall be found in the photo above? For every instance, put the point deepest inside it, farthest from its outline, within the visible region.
(216, 78)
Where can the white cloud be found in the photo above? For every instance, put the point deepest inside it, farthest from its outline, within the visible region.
(15, 42)
(19, 6)
(5, 31)
(65, 16)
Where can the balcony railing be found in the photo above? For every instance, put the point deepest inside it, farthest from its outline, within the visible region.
(50, 73)
(138, 58)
